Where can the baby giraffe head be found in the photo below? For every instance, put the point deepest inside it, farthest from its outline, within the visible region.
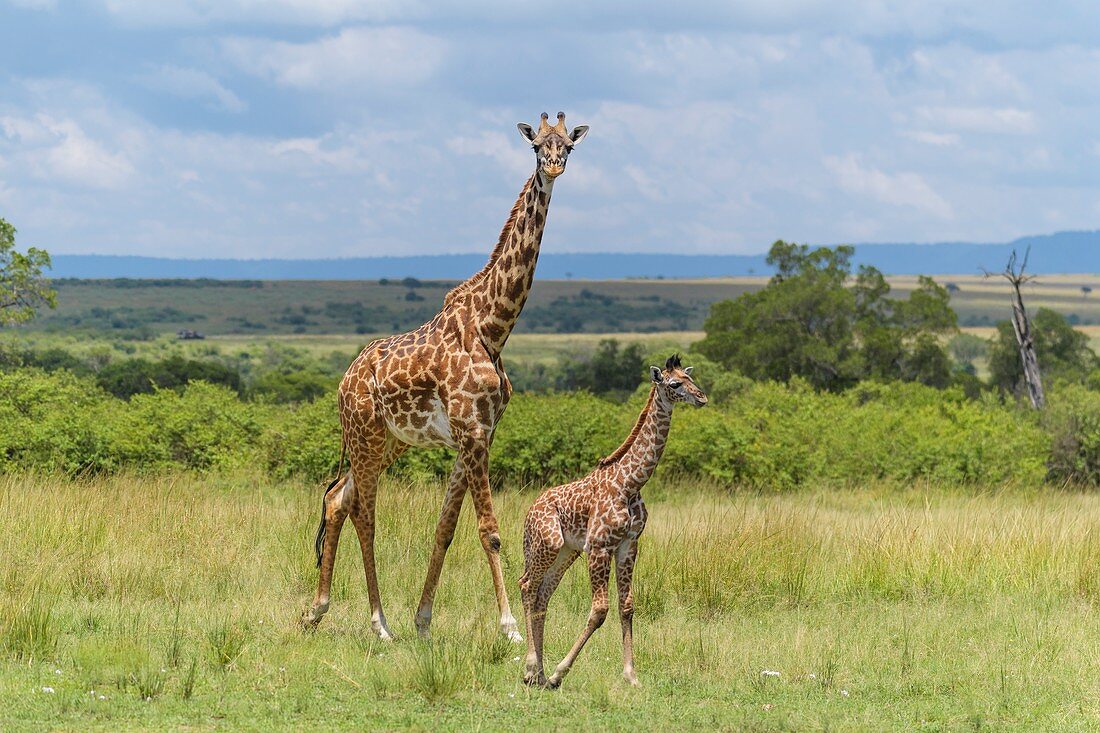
(552, 144)
(674, 382)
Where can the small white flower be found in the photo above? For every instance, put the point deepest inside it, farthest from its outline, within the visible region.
(282, 670)
(769, 673)
(91, 692)
(511, 694)
(812, 676)
(102, 697)
(516, 659)
(47, 690)
(163, 670)
(57, 671)
(844, 693)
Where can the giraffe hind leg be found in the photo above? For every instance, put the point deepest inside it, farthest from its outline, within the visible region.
(333, 513)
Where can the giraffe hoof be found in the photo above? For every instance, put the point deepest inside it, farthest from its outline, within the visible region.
(534, 679)
(383, 631)
(554, 682)
(311, 617)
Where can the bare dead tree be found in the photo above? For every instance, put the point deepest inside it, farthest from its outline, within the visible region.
(1022, 326)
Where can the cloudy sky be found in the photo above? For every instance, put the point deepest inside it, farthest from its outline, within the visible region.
(330, 128)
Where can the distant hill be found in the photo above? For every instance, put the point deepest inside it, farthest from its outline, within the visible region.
(1063, 252)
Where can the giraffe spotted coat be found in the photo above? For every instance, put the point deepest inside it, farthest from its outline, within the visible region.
(442, 385)
(601, 515)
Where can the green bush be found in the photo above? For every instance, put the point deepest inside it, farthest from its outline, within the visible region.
(1073, 420)
(55, 422)
(761, 434)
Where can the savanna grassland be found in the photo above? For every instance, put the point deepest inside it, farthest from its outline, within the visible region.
(160, 602)
(142, 308)
(887, 555)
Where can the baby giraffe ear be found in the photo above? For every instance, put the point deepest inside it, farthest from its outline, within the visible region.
(688, 370)
(656, 372)
(527, 132)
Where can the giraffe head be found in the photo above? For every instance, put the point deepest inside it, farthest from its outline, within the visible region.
(676, 384)
(552, 143)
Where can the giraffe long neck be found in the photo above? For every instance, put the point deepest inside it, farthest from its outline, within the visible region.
(636, 459)
(500, 290)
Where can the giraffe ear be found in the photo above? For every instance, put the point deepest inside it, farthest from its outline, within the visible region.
(578, 133)
(688, 370)
(656, 373)
(527, 132)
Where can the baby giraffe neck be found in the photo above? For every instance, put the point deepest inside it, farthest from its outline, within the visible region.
(636, 459)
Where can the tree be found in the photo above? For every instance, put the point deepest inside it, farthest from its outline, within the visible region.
(23, 290)
(1025, 337)
(610, 369)
(1063, 351)
(808, 322)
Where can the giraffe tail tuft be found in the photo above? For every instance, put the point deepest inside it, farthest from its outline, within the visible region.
(319, 541)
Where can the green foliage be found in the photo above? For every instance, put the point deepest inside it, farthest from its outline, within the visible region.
(299, 386)
(202, 427)
(808, 323)
(609, 370)
(63, 423)
(1073, 419)
(556, 438)
(23, 289)
(767, 435)
(1062, 351)
(140, 376)
(966, 348)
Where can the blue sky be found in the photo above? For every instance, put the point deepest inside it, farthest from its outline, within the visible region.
(333, 128)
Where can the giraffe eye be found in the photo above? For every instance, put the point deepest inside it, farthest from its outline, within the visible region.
(676, 384)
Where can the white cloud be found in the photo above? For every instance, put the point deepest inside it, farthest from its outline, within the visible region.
(362, 56)
(939, 139)
(497, 146)
(193, 84)
(60, 148)
(1005, 120)
(897, 189)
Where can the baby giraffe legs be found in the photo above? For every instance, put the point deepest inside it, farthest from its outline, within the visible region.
(624, 569)
(599, 569)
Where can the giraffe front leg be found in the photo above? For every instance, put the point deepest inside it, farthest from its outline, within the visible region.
(599, 568)
(475, 458)
(444, 534)
(624, 570)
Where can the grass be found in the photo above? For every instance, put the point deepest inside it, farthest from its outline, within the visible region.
(172, 602)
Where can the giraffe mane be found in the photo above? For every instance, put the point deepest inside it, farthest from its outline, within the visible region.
(622, 449)
(476, 278)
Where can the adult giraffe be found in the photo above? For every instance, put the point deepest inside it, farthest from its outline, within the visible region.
(442, 385)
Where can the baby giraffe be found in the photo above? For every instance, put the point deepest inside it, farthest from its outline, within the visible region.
(602, 515)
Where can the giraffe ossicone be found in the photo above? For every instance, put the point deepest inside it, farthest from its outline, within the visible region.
(442, 384)
(601, 515)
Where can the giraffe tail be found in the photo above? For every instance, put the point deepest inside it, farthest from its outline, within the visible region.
(319, 540)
